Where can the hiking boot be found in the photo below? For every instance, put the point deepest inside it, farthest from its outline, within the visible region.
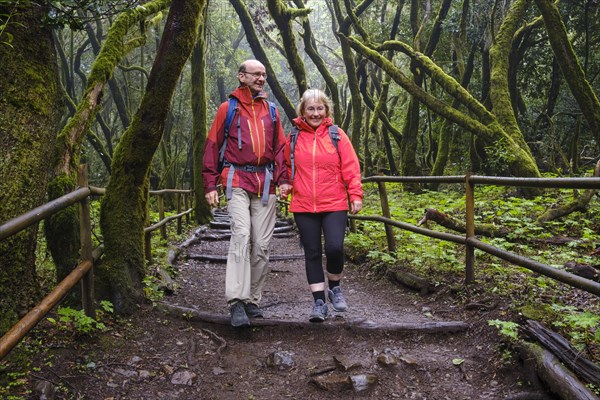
(252, 310)
(319, 311)
(337, 299)
(238, 315)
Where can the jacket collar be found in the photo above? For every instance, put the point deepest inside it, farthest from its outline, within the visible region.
(304, 126)
(244, 95)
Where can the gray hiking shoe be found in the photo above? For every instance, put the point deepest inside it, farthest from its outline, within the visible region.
(319, 311)
(238, 315)
(252, 310)
(337, 299)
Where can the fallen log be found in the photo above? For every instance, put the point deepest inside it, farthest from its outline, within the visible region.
(409, 280)
(193, 314)
(445, 220)
(561, 347)
(166, 282)
(557, 378)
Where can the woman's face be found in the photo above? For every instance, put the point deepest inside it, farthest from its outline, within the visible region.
(314, 112)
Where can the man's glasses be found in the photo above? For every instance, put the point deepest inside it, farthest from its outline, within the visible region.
(256, 75)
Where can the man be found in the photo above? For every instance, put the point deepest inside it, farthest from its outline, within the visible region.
(252, 164)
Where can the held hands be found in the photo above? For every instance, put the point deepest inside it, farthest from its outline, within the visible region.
(212, 198)
(284, 191)
(355, 206)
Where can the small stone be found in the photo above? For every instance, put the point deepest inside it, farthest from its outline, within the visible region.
(387, 359)
(346, 364)
(333, 382)
(144, 375)
(218, 371)
(184, 377)
(126, 373)
(363, 382)
(44, 390)
(408, 360)
(134, 360)
(281, 360)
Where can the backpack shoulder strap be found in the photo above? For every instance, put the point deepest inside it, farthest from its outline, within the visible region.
(334, 134)
(231, 110)
(293, 139)
(273, 112)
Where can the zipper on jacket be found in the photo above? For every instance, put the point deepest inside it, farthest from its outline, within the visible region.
(314, 172)
(253, 147)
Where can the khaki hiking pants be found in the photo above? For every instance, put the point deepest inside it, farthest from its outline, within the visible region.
(252, 225)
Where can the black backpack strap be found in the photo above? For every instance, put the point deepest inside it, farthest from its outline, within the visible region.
(293, 139)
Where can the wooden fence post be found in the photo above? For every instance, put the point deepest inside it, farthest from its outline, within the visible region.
(85, 239)
(148, 246)
(161, 215)
(186, 202)
(385, 210)
(470, 222)
(178, 212)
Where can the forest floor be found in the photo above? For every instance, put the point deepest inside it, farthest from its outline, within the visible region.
(392, 343)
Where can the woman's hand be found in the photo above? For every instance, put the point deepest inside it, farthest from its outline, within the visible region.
(355, 206)
(284, 191)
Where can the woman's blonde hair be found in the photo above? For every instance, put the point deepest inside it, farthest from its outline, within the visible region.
(315, 95)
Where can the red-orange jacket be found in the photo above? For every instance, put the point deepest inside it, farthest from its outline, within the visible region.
(324, 178)
(260, 145)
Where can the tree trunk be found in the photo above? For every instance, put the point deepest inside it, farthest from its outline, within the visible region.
(283, 16)
(480, 122)
(350, 65)
(124, 207)
(199, 111)
(30, 111)
(569, 65)
(259, 53)
(62, 228)
(311, 51)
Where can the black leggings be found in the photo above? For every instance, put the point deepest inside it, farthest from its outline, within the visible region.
(333, 226)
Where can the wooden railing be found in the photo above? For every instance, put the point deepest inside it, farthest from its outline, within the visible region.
(83, 272)
(470, 241)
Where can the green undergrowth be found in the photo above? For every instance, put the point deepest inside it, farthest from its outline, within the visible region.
(527, 295)
(67, 326)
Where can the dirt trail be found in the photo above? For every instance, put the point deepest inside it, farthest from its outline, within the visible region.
(158, 355)
(420, 365)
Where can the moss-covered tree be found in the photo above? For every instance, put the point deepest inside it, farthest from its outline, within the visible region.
(124, 207)
(62, 229)
(30, 110)
(495, 128)
(283, 17)
(202, 213)
(570, 66)
(261, 55)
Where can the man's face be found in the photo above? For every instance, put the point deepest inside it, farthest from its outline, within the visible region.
(254, 77)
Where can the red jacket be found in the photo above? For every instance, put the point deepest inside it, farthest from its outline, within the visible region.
(260, 145)
(323, 179)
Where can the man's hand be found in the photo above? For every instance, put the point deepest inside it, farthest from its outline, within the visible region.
(212, 198)
(285, 190)
(355, 206)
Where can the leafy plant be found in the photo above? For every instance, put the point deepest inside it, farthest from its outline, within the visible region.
(71, 320)
(152, 288)
(583, 327)
(508, 329)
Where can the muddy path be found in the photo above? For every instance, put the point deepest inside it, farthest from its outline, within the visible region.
(392, 343)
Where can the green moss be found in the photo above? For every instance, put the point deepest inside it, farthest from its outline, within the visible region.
(539, 312)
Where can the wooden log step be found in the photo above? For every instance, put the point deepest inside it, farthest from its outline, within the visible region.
(440, 327)
(223, 259)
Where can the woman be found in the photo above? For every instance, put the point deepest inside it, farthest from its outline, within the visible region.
(324, 180)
